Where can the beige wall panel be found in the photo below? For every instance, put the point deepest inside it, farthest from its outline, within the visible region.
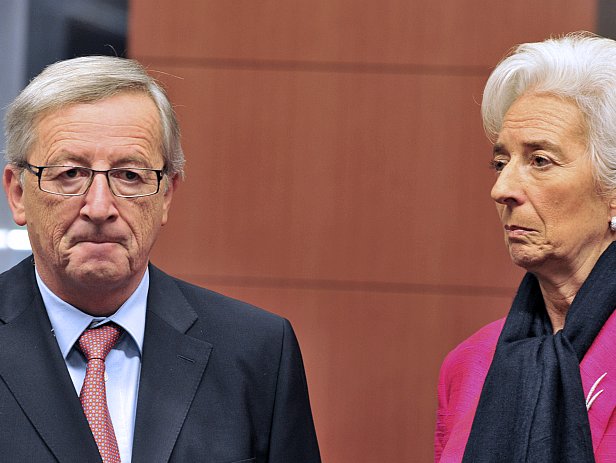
(372, 362)
(437, 32)
(337, 175)
(366, 178)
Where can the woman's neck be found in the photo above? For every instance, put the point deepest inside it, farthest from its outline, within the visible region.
(561, 279)
(558, 299)
(559, 290)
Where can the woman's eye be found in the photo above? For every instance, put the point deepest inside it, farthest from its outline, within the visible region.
(540, 161)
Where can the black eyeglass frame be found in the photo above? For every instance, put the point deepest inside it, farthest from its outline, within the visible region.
(160, 173)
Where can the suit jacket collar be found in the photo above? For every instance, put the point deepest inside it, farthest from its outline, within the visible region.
(33, 369)
(173, 364)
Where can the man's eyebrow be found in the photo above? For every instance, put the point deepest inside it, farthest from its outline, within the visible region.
(498, 148)
(138, 160)
(66, 157)
(69, 158)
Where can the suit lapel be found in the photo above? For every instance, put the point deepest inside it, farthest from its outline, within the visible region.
(172, 366)
(33, 369)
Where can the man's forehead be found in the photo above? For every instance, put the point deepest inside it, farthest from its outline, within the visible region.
(125, 99)
(122, 110)
(124, 124)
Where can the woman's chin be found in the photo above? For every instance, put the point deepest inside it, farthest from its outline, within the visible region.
(527, 257)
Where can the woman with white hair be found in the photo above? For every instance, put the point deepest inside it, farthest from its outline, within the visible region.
(540, 385)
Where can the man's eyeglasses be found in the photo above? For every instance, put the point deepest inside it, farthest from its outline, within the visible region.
(123, 182)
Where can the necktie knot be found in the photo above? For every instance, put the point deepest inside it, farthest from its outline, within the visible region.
(96, 343)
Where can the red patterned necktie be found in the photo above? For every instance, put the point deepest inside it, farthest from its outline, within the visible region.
(95, 344)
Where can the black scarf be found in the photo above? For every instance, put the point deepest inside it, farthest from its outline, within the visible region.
(532, 406)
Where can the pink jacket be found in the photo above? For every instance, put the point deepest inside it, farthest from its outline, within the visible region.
(464, 371)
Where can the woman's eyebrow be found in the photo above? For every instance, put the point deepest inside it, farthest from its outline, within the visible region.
(542, 145)
(499, 148)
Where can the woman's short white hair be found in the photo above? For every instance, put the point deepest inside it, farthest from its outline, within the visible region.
(86, 80)
(580, 67)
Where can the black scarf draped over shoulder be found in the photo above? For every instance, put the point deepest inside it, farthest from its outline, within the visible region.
(532, 407)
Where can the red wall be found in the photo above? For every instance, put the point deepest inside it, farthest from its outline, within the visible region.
(337, 175)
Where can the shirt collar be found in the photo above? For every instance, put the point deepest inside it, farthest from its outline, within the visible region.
(68, 322)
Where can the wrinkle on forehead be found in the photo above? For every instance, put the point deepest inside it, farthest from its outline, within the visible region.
(121, 124)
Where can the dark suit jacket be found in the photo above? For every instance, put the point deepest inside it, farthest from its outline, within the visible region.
(221, 382)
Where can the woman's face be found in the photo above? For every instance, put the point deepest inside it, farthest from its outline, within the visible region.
(555, 222)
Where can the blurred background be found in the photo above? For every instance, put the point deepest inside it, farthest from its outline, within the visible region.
(337, 174)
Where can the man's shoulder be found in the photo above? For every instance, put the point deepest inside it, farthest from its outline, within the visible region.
(22, 269)
(17, 288)
(214, 307)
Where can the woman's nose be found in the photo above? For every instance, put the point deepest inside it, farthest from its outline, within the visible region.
(507, 188)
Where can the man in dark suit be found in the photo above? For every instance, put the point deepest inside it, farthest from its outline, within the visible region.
(102, 355)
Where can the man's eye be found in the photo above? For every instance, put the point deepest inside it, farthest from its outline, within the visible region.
(498, 164)
(127, 175)
(71, 173)
(68, 173)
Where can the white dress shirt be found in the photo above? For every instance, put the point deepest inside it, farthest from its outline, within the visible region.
(122, 365)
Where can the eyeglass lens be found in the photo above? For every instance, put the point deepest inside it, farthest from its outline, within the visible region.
(71, 180)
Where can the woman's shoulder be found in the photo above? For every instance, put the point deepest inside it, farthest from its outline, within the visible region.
(461, 379)
(476, 351)
(484, 338)
(465, 368)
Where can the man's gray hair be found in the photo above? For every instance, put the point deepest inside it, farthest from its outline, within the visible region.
(87, 80)
(579, 67)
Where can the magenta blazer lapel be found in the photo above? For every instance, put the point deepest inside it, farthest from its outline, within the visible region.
(598, 370)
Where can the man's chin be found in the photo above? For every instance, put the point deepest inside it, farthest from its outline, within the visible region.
(98, 272)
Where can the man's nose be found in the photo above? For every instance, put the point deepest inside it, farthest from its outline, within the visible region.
(100, 202)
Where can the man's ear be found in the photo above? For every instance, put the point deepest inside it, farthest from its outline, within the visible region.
(11, 180)
(172, 184)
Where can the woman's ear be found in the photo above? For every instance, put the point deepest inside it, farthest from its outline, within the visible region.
(11, 180)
